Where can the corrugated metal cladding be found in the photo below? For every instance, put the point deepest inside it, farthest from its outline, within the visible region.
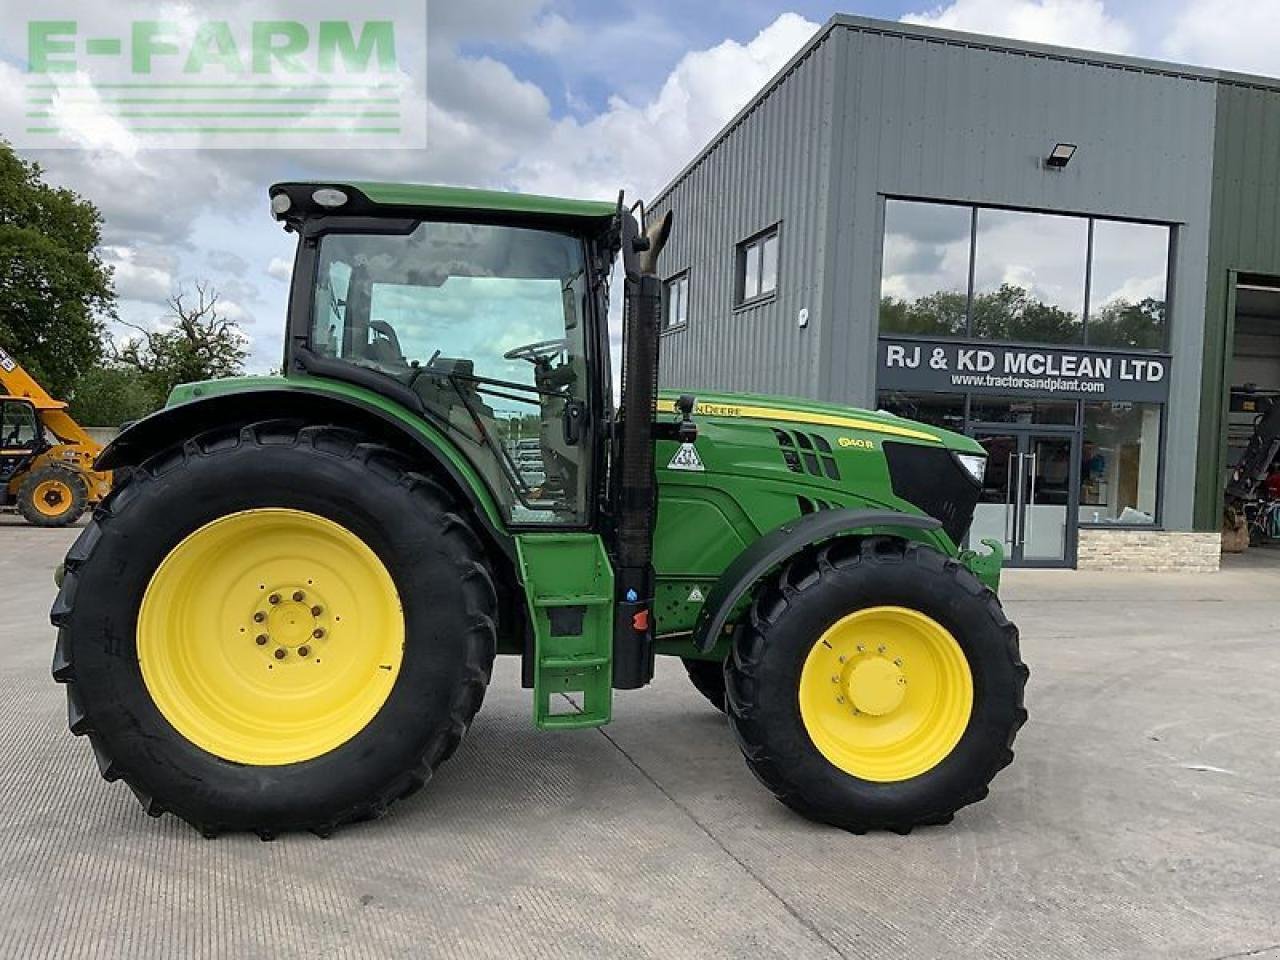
(879, 109)
(1245, 237)
(769, 168)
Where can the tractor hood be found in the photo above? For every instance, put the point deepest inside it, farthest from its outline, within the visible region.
(784, 410)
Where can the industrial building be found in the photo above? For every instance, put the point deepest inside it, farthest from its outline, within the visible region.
(1074, 257)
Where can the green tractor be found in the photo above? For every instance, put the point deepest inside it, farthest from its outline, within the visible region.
(287, 615)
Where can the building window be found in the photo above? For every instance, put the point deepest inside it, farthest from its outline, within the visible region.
(1028, 277)
(1119, 463)
(953, 270)
(985, 409)
(945, 410)
(925, 285)
(676, 302)
(758, 266)
(1127, 285)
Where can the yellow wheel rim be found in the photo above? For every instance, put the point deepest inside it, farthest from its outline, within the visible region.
(270, 636)
(886, 693)
(52, 498)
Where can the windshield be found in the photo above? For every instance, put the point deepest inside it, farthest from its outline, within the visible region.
(485, 324)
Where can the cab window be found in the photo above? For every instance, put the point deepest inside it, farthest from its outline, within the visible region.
(486, 324)
(19, 429)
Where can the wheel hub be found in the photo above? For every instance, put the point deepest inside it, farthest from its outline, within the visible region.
(298, 620)
(876, 686)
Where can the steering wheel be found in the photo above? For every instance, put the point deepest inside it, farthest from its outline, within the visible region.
(538, 352)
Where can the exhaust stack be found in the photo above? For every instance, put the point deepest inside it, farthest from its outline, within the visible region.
(636, 483)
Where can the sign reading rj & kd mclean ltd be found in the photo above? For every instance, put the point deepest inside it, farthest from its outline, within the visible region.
(950, 366)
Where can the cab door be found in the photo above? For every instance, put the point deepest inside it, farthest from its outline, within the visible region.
(21, 437)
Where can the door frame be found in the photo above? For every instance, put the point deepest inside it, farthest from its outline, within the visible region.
(1026, 433)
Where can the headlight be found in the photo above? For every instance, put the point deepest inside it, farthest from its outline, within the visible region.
(975, 464)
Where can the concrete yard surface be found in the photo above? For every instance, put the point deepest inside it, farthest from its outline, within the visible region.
(1141, 817)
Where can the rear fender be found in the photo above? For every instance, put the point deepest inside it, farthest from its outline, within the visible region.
(779, 545)
(176, 424)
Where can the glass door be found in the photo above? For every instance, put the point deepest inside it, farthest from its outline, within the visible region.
(1029, 495)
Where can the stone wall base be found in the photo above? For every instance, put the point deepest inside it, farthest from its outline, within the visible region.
(1156, 550)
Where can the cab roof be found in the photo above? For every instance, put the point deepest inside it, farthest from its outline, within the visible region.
(365, 197)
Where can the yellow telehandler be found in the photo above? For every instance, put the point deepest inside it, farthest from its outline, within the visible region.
(46, 458)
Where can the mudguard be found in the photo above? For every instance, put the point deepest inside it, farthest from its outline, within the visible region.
(175, 424)
(778, 545)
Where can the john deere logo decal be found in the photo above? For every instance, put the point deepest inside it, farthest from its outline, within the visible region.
(686, 458)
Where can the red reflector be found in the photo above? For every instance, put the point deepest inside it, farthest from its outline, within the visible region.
(641, 621)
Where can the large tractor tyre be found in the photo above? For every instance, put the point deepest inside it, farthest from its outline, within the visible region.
(52, 496)
(707, 677)
(877, 686)
(275, 628)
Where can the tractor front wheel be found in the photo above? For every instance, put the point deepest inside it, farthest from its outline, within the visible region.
(877, 685)
(52, 496)
(275, 628)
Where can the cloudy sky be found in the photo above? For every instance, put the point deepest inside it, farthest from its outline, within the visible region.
(568, 97)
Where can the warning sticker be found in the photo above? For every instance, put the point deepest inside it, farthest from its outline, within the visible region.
(686, 458)
(695, 595)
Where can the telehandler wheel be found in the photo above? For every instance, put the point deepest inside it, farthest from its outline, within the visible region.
(52, 496)
(275, 628)
(707, 677)
(878, 685)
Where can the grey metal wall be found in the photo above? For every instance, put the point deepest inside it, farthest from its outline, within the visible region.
(770, 166)
(875, 109)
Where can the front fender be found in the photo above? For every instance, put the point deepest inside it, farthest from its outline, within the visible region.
(784, 542)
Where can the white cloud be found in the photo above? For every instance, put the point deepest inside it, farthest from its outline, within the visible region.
(279, 268)
(1067, 23)
(641, 145)
(1228, 34)
(139, 274)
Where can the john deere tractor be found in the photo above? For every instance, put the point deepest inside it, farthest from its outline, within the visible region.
(286, 616)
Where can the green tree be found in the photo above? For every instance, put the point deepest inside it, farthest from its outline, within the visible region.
(108, 396)
(940, 314)
(55, 292)
(1124, 324)
(195, 342)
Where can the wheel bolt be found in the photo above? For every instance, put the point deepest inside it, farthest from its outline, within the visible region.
(902, 681)
(274, 598)
(835, 679)
(860, 648)
(880, 649)
(304, 651)
(841, 658)
(280, 653)
(897, 661)
(318, 632)
(260, 639)
(259, 617)
(298, 595)
(317, 610)
(839, 699)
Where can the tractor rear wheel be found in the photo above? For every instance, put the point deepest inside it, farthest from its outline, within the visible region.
(877, 685)
(707, 677)
(52, 496)
(275, 628)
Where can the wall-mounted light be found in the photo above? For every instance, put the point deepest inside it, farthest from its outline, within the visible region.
(1060, 155)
